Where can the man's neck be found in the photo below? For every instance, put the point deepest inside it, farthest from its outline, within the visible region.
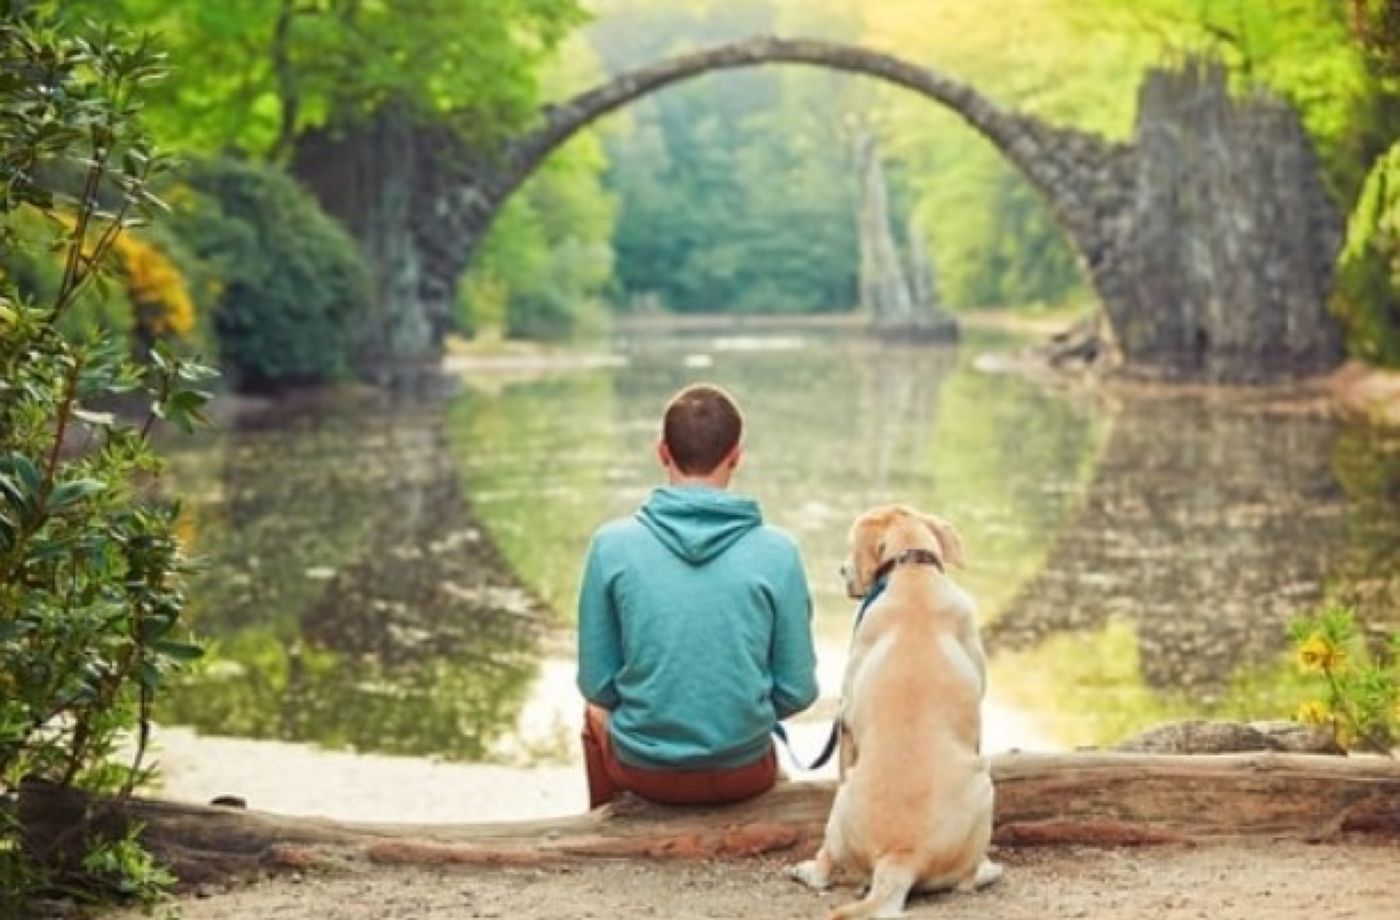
(706, 482)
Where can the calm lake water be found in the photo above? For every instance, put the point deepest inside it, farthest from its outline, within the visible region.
(400, 578)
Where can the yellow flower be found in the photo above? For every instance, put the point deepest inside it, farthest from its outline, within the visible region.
(1314, 713)
(1319, 654)
(153, 283)
(156, 287)
(185, 530)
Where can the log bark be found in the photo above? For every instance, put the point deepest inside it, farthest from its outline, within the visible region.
(1097, 799)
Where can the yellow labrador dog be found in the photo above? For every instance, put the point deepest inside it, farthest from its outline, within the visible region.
(913, 810)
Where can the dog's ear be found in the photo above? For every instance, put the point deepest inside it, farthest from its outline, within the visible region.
(867, 543)
(948, 540)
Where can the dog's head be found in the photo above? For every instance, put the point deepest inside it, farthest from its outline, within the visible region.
(883, 533)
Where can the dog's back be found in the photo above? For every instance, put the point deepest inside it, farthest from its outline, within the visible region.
(918, 780)
(914, 807)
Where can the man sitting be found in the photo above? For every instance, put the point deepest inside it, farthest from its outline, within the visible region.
(694, 627)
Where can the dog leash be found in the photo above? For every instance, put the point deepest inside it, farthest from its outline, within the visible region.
(834, 736)
(780, 732)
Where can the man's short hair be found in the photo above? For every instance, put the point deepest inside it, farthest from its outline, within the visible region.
(702, 425)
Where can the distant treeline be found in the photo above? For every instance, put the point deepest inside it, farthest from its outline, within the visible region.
(733, 192)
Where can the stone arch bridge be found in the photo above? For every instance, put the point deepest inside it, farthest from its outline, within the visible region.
(1208, 237)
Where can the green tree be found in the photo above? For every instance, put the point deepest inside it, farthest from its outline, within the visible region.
(1367, 299)
(291, 283)
(258, 73)
(267, 75)
(91, 575)
(735, 190)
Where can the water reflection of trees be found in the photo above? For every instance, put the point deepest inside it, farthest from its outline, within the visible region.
(1208, 531)
(1367, 572)
(352, 599)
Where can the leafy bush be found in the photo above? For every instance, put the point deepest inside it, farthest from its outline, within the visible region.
(149, 296)
(36, 272)
(91, 576)
(1361, 702)
(1368, 276)
(292, 285)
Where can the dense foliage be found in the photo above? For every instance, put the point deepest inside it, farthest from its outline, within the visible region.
(1368, 284)
(91, 575)
(737, 189)
(291, 283)
(256, 74)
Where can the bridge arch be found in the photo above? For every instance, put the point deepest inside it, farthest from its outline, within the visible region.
(1078, 174)
(1194, 284)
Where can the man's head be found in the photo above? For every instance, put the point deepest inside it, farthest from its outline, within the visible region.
(700, 436)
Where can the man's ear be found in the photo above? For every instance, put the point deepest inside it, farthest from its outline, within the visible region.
(949, 540)
(663, 454)
(735, 455)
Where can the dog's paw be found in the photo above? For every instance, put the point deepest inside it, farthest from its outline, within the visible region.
(988, 873)
(809, 874)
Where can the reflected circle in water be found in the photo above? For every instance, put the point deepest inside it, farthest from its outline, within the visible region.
(401, 578)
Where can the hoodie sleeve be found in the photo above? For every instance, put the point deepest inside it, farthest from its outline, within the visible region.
(599, 635)
(793, 659)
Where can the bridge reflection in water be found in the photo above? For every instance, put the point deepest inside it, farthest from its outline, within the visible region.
(401, 578)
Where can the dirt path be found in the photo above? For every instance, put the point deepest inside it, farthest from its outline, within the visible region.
(1230, 881)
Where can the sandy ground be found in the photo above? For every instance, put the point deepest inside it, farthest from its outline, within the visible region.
(1233, 881)
(304, 780)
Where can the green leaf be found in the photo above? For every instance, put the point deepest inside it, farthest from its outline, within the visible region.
(46, 550)
(99, 419)
(179, 651)
(183, 408)
(157, 624)
(12, 492)
(27, 471)
(161, 355)
(197, 371)
(66, 494)
(150, 676)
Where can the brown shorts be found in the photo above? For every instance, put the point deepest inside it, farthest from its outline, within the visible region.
(607, 776)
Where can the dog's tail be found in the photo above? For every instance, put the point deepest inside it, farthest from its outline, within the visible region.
(888, 889)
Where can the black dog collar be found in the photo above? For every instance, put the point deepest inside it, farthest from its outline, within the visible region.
(909, 557)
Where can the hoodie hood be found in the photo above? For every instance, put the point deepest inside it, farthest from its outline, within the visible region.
(698, 523)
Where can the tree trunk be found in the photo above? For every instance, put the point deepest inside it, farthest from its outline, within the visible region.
(1097, 799)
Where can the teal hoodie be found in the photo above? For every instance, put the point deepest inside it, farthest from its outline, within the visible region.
(695, 630)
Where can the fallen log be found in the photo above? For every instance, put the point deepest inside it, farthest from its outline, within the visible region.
(1084, 798)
